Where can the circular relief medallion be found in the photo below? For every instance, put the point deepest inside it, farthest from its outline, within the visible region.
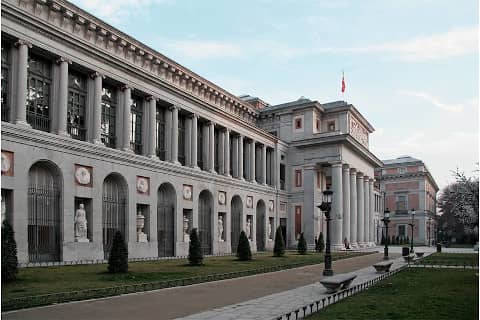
(187, 192)
(270, 205)
(221, 197)
(82, 175)
(249, 202)
(5, 163)
(142, 185)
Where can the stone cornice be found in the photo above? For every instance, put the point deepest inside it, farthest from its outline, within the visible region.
(81, 25)
(420, 174)
(45, 140)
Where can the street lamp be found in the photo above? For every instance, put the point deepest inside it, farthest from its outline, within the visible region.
(386, 221)
(326, 206)
(412, 224)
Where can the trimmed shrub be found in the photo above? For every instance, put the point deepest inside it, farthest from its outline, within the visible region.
(279, 248)
(302, 245)
(118, 259)
(9, 253)
(243, 249)
(320, 243)
(195, 255)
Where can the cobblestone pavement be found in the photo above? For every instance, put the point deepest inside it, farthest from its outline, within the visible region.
(183, 301)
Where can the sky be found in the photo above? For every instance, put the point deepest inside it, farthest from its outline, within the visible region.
(411, 66)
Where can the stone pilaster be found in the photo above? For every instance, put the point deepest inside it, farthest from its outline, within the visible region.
(337, 206)
(193, 163)
(21, 83)
(211, 147)
(152, 126)
(353, 208)
(235, 156)
(188, 141)
(346, 203)
(366, 203)
(96, 136)
(240, 157)
(310, 213)
(221, 152)
(360, 210)
(372, 209)
(62, 102)
(127, 102)
(252, 161)
(264, 164)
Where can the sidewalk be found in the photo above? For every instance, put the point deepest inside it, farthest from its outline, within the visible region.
(184, 301)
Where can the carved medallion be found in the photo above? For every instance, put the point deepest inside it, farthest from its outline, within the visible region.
(249, 201)
(82, 175)
(6, 164)
(143, 184)
(187, 192)
(271, 205)
(221, 197)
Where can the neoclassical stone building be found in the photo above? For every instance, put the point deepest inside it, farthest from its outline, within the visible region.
(97, 126)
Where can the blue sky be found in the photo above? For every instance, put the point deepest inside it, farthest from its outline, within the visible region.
(411, 66)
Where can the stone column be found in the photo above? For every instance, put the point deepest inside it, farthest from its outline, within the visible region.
(62, 102)
(337, 206)
(264, 164)
(226, 155)
(194, 151)
(152, 126)
(188, 141)
(240, 157)
(353, 208)
(96, 136)
(221, 151)
(211, 147)
(346, 202)
(127, 102)
(252, 161)
(174, 143)
(235, 156)
(168, 134)
(21, 83)
(372, 209)
(366, 212)
(310, 214)
(360, 210)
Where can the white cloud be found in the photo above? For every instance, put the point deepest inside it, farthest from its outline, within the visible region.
(434, 101)
(456, 42)
(204, 49)
(115, 10)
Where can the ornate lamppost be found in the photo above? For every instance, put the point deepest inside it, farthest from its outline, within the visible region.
(326, 206)
(412, 224)
(386, 221)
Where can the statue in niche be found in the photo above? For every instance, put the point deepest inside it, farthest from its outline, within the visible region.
(220, 228)
(81, 224)
(249, 228)
(186, 235)
(270, 229)
(4, 209)
(142, 236)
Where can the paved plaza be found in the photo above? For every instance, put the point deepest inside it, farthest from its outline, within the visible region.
(260, 296)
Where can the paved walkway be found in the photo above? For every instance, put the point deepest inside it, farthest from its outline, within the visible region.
(183, 301)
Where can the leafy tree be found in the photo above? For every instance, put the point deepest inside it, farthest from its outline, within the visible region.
(302, 245)
(320, 243)
(118, 259)
(243, 250)
(279, 248)
(9, 253)
(458, 203)
(195, 255)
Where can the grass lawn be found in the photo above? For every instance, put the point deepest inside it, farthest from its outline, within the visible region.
(451, 258)
(431, 294)
(35, 281)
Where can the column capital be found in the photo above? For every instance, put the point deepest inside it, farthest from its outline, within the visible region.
(353, 171)
(63, 59)
(150, 98)
(309, 167)
(366, 178)
(96, 74)
(173, 106)
(124, 87)
(346, 167)
(210, 123)
(336, 164)
(371, 180)
(226, 130)
(359, 175)
(20, 42)
(193, 115)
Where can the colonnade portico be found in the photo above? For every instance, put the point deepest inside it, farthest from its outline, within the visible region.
(352, 210)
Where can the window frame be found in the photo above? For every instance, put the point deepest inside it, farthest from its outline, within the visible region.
(109, 138)
(298, 178)
(136, 118)
(39, 118)
(80, 128)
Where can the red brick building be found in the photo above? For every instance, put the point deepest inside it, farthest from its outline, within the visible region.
(407, 184)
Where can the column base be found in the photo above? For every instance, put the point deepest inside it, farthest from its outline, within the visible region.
(98, 142)
(127, 150)
(227, 175)
(176, 162)
(338, 247)
(362, 244)
(354, 245)
(153, 156)
(64, 134)
(212, 171)
(195, 167)
(22, 123)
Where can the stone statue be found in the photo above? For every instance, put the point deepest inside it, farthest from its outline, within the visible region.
(4, 209)
(270, 229)
(142, 236)
(249, 228)
(186, 235)
(81, 224)
(220, 228)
